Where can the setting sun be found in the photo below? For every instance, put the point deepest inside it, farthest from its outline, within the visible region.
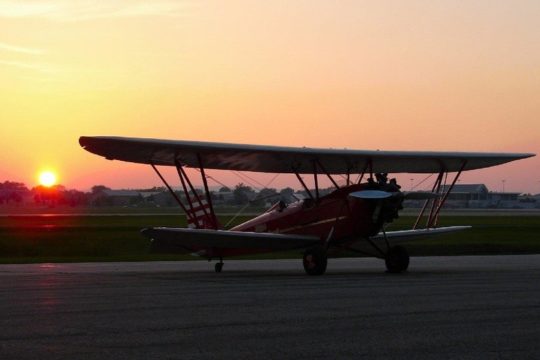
(47, 178)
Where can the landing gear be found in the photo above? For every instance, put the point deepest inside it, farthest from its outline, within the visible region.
(397, 259)
(219, 266)
(315, 260)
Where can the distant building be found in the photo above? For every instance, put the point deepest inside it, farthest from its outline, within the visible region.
(467, 192)
(478, 196)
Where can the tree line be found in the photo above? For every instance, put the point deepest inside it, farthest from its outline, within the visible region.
(241, 194)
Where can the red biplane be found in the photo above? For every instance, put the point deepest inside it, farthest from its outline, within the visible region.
(352, 217)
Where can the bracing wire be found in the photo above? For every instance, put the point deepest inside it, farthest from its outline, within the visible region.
(246, 206)
(421, 182)
(245, 176)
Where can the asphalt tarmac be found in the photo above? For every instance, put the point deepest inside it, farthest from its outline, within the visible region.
(471, 307)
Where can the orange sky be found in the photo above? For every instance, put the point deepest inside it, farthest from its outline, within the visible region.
(395, 75)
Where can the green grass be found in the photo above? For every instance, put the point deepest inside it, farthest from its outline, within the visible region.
(82, 238)
(25, 239)
(495, 234)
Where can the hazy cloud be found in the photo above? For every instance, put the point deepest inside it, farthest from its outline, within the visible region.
(20, 49)
(25, 65)
(75, 10)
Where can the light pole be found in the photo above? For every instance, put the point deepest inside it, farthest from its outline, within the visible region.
(503, 182)
(412, 184)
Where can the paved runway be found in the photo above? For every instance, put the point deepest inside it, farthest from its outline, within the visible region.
(444, 308)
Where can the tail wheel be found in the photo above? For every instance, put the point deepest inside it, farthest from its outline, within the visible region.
(219, 266)
(315, 260)
(397, 259)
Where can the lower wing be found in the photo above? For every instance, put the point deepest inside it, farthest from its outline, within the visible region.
(189, 240)
(195, 239)
(400, 236)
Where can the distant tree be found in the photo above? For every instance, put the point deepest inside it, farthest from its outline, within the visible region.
(286, 191)
(102, 200)
(50, 196)
(326, 191)
(267, 193)
(15, 197)
(97, 196)
(215, 195)
(224, 189)
(264, 196)
(287, 194)
(11, 191)
(13, 186)
(98, 189)
(242, 194)
(75, 198)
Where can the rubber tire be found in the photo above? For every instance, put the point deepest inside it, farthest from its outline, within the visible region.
(315, 260)
(218, 267)
(397, 260)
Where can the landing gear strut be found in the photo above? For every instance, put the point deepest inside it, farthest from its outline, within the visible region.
(315, 260)
(397, 259)
(219, 266)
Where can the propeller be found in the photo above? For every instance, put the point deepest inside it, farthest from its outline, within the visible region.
(380, 195)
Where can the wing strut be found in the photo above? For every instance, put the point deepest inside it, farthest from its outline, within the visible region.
(437, 204)
(304, 185)
(188, 214)
(437, 191)
(180, 172)
(316, 166)
(201, 211)
(207, 192)
(316, 180)
(435, 218)
(436, 188)
(368, 166)
(318, 163)
(208, 217)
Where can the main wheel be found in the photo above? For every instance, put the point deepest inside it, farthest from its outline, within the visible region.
(218, 267)
(397, 259)
(315, 260)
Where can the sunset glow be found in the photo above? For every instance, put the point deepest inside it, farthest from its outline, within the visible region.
(392, 75)
(47, 178)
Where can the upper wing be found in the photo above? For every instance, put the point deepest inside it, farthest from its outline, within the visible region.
(279, 159)
(190, 239)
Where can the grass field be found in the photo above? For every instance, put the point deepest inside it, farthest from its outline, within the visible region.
(75, 238)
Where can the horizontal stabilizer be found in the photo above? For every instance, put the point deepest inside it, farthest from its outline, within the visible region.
(191, 239)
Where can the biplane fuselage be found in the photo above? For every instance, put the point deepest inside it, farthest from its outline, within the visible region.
(336, 216)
